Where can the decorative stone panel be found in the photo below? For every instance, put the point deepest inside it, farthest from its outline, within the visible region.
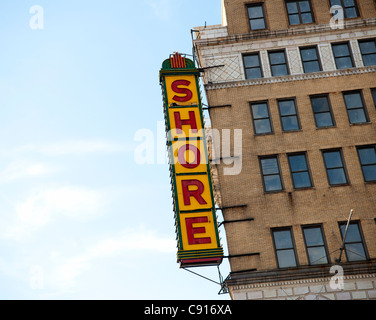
(223, 69)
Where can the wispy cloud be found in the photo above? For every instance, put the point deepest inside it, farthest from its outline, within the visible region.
(20, 169)
(139, 240)
(41, 207)
(72, 147)
(162, 9)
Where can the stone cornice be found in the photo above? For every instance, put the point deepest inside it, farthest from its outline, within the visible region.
(259, 35)
(303, 275)
(297, 77)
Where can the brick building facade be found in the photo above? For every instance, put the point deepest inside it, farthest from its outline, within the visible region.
(300, 84)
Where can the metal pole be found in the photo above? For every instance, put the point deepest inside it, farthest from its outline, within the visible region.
(344, 237)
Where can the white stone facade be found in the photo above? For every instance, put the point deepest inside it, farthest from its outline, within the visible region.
(357, 287)
(224, 62)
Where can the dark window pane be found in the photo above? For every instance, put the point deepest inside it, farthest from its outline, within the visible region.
(260, 111)
(367, 156)
(294, 19)
(287, 107)
(317, 255)
(301, 180)
(307, 18)
(279, 70)
(262, 126)
(253, 73)
(273, 183)
(313, 237)
(348, 3)
(337, 176)
(283, 239)
(255, 12)
(251, 61)
(341, 50)
(335, 2)
(290, 123)
(304, 6)
(298, 163)
(355, 252)
(351, 13)
(257, 24)
(311, 66)
(368, 46)
(353, 100)
(333, 159)
(269, 166)
(357, 116)
(292, 7)
(286, 258)
(277, 57)
(369, 173)
(320, 104)
(369, 60)
(324, 120)
(353, 234)
(344, 62)
(309, 54)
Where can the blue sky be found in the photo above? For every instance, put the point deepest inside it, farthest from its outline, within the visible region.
(80, 218)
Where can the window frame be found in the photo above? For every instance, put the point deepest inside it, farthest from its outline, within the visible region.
(269, 118)
(299, 13)
(343, 167)
(279, 64)
(363, 54)
(362, 239)
(373, 94)
(350, 54)
(317, 56)
(324, 245)
(344, 9)
(311, 97)
(285, 116)
(308, 170)
(257, 4)
(290, 229)
(264, 175)
(366, 165)
(364, 108)
(246, 68)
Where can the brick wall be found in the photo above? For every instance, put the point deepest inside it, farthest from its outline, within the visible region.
(276, 15)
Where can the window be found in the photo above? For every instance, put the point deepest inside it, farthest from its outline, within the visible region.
(367, 157)
(252, 66)
(299, 12)
(261, 118)
(373, 91)
(314, 242)
(322, 111)
(289, 117)
(342, 55)
(284, 248)
(335, 167)
(256, 15)
(271, 174)
(355, 107)
(368, 50)
(278, 63)
(301, 177)
(350, 9)
(354, 245)
(310, 58)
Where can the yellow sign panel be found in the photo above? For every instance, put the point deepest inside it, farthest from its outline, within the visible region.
(195, 213)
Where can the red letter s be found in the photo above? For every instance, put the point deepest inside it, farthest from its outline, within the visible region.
(188, 93)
